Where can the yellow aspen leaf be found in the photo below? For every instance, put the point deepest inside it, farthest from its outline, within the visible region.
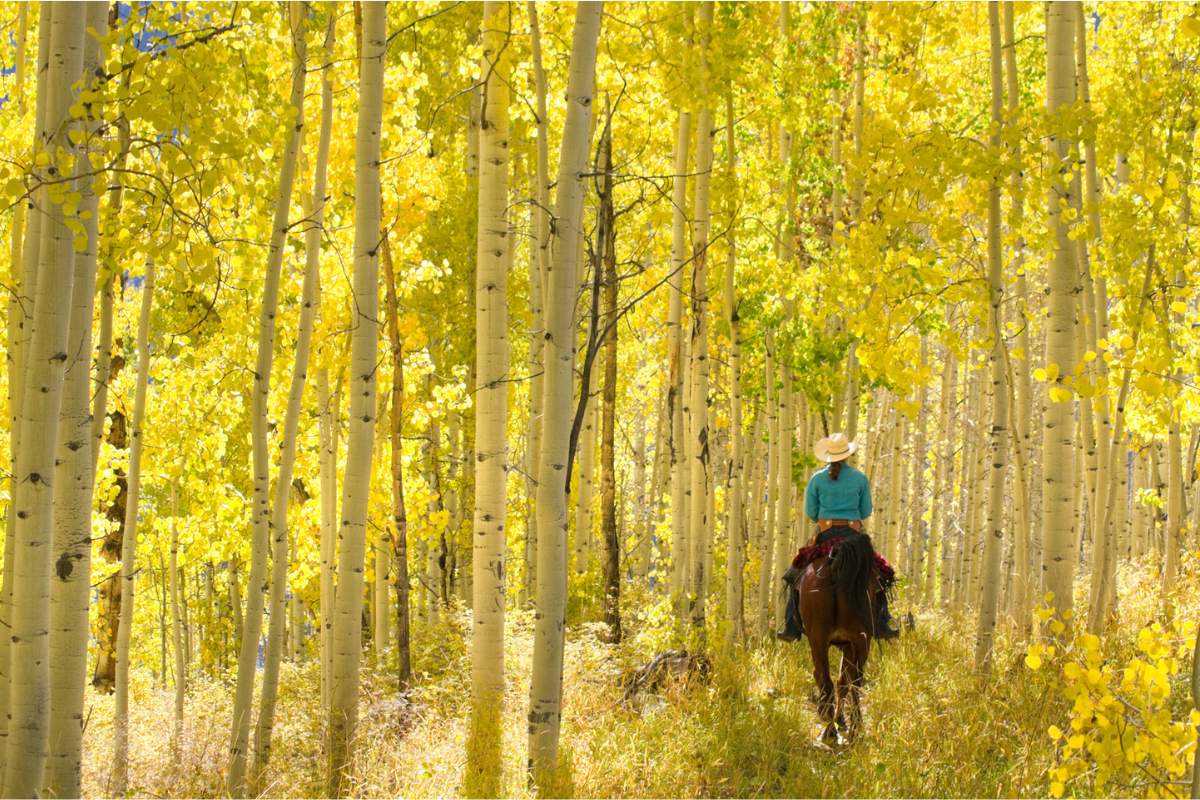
(1033, 662)
(1052, 372)
(1178, 307)
(1150, 384)
(1039, 374)
(1127, 341)
(1055, 733)
(1090, 355)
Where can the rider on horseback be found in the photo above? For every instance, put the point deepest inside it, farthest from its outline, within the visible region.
(838, 499)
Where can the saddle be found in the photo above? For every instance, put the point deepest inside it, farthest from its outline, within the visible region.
(812, 552)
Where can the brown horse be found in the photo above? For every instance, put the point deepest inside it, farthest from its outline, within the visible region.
(837, 606)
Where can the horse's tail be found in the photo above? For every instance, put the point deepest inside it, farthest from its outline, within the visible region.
(850, 569)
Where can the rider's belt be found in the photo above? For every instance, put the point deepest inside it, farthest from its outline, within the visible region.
(826, 524)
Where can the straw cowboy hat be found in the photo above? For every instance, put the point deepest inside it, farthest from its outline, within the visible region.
(835, 448)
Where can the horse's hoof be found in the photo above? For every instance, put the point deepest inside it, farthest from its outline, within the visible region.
(829, 736)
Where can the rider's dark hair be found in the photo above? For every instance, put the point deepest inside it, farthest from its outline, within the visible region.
(834, 469)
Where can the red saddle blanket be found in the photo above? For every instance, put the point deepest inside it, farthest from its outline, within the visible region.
(811, 553)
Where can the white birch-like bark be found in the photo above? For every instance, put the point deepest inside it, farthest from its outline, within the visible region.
(347, 626)
(993, 534)
(891, 543)
(44, 360)
(545, 690)
(586, 456)
(916, 564)
(700, 446)
(1023, 417)
(537, 280)
(129, 543)
(16, 311)
(754, 521)
(260, 516)
(735, 586)
(767, 568)
(852, 366)
(71, 586)
(181, 681)
(942, 478)
(783, 497)
(327, 465)
(675, 379)
(279, 531)
(1059, 473)
(491, 365)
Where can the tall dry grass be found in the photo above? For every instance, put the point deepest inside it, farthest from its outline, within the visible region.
(932, 726)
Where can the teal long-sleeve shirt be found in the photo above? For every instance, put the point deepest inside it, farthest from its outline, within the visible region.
(849, 497)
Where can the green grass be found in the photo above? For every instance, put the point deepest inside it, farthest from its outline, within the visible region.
(932, 727)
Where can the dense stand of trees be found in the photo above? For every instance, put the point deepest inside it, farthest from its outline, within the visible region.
(698, 238)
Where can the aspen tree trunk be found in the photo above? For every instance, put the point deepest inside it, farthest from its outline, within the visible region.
(754, 516)
(1023, 416)
(72, 547)
(537, 280)
(993, 534)
(675, 382)
(966, 483)
(15, 380)
(260, 518)
(101, 372)
(587, 472)
(783, 498)
(943, 480)
(491, 376)
(1099, 328)
(860, 63)
(24, 268)
(606, 247)
(916, 495)
(33, 502)
(659, 551)
(891, 544)
(699, 448)
(1058, 523)
(279, 531)
(347, 628)
(979, 506)
(545, 690)
(399, 514)
(735, 585)
(129, 544)
(328, 465)
(177, 628)
(767, 571)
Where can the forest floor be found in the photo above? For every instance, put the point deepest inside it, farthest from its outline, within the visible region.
(932, 727)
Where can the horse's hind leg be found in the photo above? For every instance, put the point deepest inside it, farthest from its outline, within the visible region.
(849, 688)
(824, 689)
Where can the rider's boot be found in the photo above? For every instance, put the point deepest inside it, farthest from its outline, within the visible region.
(792, 628)
(884, 624)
